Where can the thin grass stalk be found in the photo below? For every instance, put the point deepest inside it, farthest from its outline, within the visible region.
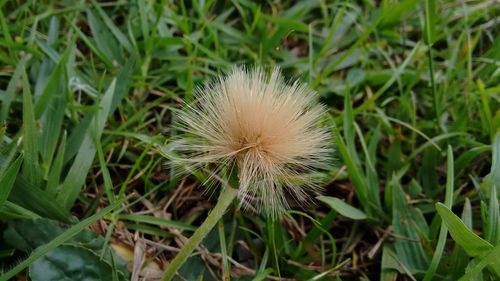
(225, 199)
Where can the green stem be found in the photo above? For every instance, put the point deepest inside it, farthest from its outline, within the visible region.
(225, 199)
(430, 42)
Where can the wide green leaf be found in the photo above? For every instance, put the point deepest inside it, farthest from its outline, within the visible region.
(105, 42)
(78, 172)
(343, 208)
(11, 210)
(491, 260)
(8, 178)
(36, 200)
(31, 166)
(355, 173)
(54, 177)
(495, 166)
(474, 245)
(9, 94)
(156, 221)
(72, 262)
(60, 239)
(28, 234)
(390, 264)
(48, 62)
(50, 108)
(408, 224)
(443, 230)
(493, 225)
(122, 39)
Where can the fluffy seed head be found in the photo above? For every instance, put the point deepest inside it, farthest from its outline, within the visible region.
(266, 129)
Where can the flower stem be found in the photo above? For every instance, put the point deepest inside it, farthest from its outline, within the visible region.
(225, 199)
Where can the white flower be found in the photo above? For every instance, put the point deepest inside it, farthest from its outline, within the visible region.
(267, 130)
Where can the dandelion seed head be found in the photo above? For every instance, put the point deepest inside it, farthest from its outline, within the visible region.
(266, 129)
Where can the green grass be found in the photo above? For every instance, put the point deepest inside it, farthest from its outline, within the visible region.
(88, 91)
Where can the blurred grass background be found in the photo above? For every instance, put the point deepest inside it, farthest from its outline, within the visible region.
(87, 91)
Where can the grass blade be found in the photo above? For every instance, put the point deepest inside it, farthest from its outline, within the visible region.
(114, 29)
(495, 166)
(78, 172)
(354, 172)
(343, 208)
(13, 211)
(10, 93)
(491, 258)
(47, 66)
(101, 35)
(443, 232)
(405, 223)
(50, 108)
(156, 221)
(31, 166)
(68, 234)
(474, 245)
(33, 198)
(493, 224)
(430, 30)
(55, 171)
(8, 178)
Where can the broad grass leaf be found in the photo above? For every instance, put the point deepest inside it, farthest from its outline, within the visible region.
(36, 200)
(343, 208)
(54, 177)
(8, 150)
(28, 234)
(407, 226)
(59, 240)
(156, 221)
(491, 260)
(54, 87)
(354, 171)
(427, 173)
(394, 11)
(459, 258)
(390, 263)
(8, 178)
(430, 21)
(464, 160)
(122, 85)
(93, 47)
(71, 262)
(495, 166)
(122, 39)
(9, 94)
(31, 165)
(78, 172)
(443, 231)
(474, 245)
(77, 135)
(104, 41)
(11, 210)
(47, 65)
(50, 108)
(493, 224)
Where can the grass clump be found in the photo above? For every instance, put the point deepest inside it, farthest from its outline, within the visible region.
(88, 97)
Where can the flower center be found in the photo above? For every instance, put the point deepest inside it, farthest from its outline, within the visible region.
(248, 143)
